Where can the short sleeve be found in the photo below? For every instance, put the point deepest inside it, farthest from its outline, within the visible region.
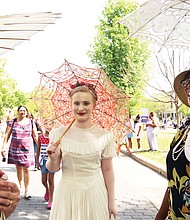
(110, 146)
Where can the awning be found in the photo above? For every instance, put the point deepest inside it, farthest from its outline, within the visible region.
(16, 28)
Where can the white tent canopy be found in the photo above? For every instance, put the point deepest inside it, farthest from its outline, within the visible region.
(165, 23)
(16, 28)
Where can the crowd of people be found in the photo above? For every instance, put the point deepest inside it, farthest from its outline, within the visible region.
(24, 143)
(84, 153)
(135, 131)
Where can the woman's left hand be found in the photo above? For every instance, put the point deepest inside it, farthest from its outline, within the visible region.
(113, 211)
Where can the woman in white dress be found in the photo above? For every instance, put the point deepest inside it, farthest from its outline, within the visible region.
(138, 131)
(86, 189)
(151, 128)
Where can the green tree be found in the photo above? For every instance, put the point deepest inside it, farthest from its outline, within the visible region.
(30, 103)
(152, 105)
(124, 61)
(10, 96)
(168, 64)
(184, 111)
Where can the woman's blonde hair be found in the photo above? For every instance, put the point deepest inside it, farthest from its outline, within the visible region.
(84, 88)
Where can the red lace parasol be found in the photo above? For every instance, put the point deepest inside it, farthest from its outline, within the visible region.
(52, 100)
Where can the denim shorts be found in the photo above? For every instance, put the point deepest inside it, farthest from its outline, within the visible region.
(130, 135)
(43, 168)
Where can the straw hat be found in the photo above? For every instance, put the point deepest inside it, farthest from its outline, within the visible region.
(179, 89)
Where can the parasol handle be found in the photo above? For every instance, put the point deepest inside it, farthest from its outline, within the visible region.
(59, 140)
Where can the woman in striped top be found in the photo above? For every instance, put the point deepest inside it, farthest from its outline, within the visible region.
(41, 159)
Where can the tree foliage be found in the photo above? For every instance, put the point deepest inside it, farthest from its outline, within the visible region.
(184, 111)
(124, 61)
(155, 106)
(168, 64)
(10, 96)
(30, 103)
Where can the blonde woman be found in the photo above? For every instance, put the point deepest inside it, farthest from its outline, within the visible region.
(86, 189)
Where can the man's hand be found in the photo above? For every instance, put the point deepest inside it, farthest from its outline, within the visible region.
(9, 196)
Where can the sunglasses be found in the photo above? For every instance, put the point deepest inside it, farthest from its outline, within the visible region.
(184, 83)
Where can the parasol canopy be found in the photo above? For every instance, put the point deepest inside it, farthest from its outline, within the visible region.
(164, 22)
(53, 101)
(17, 28)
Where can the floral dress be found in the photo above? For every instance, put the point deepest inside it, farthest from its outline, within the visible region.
(178, 174)
(81, 193)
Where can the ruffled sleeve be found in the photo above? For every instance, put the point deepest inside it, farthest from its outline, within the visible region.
(110, 146)
(85, 141)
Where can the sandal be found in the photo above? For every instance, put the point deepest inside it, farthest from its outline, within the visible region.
(49, 205)
(27, 196)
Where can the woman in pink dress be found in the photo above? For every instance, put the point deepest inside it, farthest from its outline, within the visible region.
(21, 150)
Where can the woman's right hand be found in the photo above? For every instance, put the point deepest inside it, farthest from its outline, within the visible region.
(53, 151)
(38, 165)
(54, 157)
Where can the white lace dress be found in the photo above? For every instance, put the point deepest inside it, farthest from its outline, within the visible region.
(81, 193)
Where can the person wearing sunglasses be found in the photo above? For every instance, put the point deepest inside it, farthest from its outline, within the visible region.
(176, 201)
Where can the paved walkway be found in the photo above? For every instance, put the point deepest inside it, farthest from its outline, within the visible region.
(139, 192)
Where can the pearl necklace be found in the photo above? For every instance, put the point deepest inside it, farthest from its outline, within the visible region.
(180, 150)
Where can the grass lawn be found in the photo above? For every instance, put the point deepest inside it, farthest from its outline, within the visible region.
(164, 138)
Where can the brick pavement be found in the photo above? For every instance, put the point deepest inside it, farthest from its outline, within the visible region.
(139, 192)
